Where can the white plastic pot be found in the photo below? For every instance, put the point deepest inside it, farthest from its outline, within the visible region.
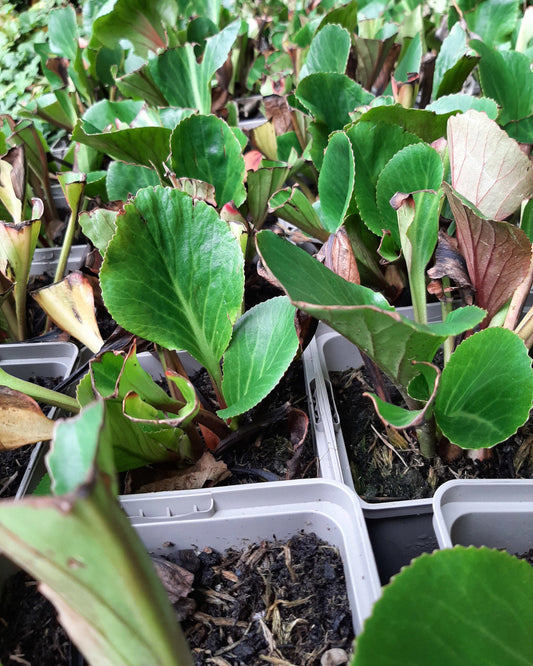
(497, 513)
(238, 515)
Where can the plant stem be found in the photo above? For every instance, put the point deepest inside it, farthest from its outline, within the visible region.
(446, 308)
(427, 438)
(518, 299)
(39, 393)
(11, 319)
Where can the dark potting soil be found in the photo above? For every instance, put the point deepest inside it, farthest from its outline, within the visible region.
(29, 630)
(277, 602)
(387, 465)
(273, 602)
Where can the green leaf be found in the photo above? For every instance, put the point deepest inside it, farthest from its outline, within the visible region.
(63, 32)
(425, 124)
(263, 345)
(345, 15)
(315, 92)
(195, 266)
(360, 314)
(99, 578)
(295, 207)
(99, 226)
(410, 61)
(185, 82)
(486, 389)
(460, 102)
(375, 60)
(125, 180)
(148, 146)
(452, 65)
(492, 20)
(336, 181)
(373, 145)
(414, 168)
(205, 148)
(143, 23)
(460, 606)
(328, 52)
(141, 85)
(507, 78)
(105, 113)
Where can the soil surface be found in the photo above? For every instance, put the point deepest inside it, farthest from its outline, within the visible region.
(273, 602)
(387, 465)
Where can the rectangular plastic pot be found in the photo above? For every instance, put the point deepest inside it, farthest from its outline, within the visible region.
(39, 359)
(497, 513)
(238, 515)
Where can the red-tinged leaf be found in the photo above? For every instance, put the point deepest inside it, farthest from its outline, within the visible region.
(497, 255)
(488, 168)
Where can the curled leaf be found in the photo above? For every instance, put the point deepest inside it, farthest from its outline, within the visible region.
(21, 420)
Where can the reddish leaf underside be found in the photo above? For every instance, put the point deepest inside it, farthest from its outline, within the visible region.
(497, 255)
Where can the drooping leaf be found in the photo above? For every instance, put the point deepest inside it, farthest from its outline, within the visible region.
(453, 63)
(196, 280)
(360, 314)
(110, 622)
(486, 389)
(373, 145)
(295, 207)
(204, 148)
(488, 168)
(497, 254)
(506, 77)
(148, 146)
(401, 418)
(125, 180)
(185, 82)
(486, 593)
(328, 51)
(336, 180)
(70, 305)
(263, 345)
(21, 420)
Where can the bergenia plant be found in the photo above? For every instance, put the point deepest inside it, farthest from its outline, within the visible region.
(465, 401)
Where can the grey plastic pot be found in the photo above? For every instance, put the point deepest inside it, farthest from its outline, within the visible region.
(39, 359)
(399, 530)
(236, 515)
(45, 259)
(497, 513)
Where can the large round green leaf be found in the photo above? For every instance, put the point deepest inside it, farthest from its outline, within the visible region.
(486, 389)
(456, 607)
(173, 274)
(205, 148)
(263, 345)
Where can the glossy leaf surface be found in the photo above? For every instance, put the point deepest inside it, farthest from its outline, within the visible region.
(336, 181)
(205, 148)
(486, 594)
(263, 345)
(173, 274)
(328, 51)
(486, 389)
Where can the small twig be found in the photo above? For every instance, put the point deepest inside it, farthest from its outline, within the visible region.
(7, 483)
(390, 446)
